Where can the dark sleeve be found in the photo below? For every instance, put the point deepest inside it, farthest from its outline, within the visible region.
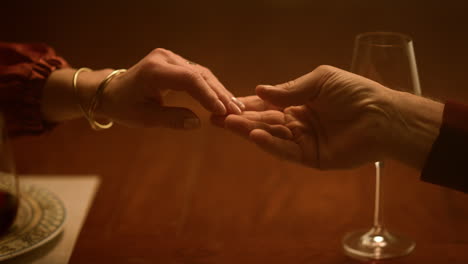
(24, 69)
(447, 163)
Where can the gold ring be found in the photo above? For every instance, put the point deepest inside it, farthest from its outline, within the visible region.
(191, 63)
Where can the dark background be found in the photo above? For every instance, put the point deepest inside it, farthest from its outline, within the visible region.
(209, 196)
(275, 40)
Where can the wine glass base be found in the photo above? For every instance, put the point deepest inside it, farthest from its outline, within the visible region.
(376, 243)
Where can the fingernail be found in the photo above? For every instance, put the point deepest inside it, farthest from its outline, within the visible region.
(234, 108)
(220, 108)
(190, 123)
(238, 102)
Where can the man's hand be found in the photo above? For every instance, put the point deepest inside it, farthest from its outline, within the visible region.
(327, 119)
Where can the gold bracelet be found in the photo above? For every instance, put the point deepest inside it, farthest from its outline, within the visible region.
(96, 101)
(75, 88)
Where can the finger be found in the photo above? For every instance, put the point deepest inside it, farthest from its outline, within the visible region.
(238, 102)
(194, 84)
(271, 117)
(252, 103)
(223, 94)
(298, 91)
(233, 106)
(242, 126)
(287, 94)
(173, 117)
(285, 149)
(255, 103)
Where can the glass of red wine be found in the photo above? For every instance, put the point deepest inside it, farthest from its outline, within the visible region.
(9, 195)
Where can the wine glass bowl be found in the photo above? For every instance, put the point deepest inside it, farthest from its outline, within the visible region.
(387, 58)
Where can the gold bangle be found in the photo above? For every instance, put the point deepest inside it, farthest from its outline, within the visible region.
(96, 101)
(75, 88)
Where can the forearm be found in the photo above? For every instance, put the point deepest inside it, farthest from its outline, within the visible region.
(416, 126)
(60, 102)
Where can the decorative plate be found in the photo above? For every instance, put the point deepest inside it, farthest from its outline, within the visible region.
(41, 216)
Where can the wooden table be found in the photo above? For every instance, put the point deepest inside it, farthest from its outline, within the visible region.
(209, 196)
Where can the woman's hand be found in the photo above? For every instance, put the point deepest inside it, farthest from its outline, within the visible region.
(136, 98)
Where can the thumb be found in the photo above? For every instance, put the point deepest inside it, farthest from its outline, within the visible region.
(284, 95)
(295, 92)
(176, 117)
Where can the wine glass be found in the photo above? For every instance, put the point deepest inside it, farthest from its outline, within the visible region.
(8, 182)
(387, 58)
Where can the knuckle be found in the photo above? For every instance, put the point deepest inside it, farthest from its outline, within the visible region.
(150, 63)
(160, 52)
(290, 84)
(326, 75)
(150, 66)
(191, 76)
(206, 70)
(325, 69)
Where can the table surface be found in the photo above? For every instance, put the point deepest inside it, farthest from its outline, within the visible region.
(209, 196)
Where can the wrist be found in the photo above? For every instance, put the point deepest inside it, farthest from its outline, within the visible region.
(415, 126)
(60, 101)
(88, 83)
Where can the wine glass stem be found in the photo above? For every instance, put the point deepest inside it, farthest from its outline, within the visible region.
(378, 195)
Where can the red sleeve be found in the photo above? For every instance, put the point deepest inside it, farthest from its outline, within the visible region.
(447, 163)
(24, 69)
